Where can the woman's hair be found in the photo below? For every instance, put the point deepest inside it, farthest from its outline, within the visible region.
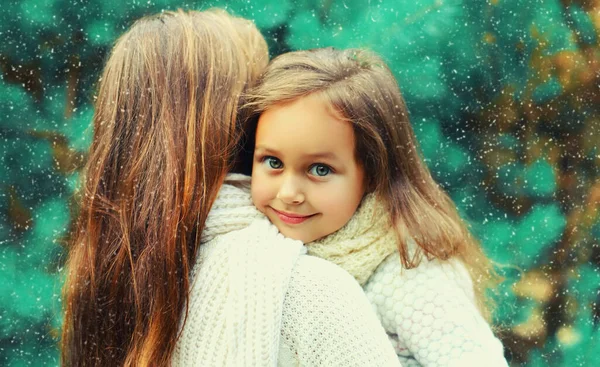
(165, 135)
(360, 87)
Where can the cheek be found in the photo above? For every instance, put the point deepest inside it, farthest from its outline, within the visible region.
(260, 190)
(341, 202)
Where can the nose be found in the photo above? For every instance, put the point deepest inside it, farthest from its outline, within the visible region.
(290, 191)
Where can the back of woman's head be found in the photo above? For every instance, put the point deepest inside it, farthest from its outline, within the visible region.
(165, 135)
(363, 90)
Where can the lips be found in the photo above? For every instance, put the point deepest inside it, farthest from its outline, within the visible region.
(291, 218)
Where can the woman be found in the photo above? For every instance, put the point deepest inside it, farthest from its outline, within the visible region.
(153, 278)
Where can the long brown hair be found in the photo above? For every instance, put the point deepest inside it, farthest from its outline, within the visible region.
(165, 133)
(360, 86)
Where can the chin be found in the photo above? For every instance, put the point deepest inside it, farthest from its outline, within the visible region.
(306, 240)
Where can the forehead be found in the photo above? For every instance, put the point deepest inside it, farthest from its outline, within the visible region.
(307, 125)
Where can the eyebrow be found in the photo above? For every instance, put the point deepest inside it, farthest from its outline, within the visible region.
(265, 149)
(321, 155)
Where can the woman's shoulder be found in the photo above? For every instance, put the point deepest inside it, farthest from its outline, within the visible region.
(314, 270)
(325, 306)
(315, 281)
(314, 278)
(256, 235)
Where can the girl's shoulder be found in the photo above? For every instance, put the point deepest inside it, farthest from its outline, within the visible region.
(451, 269)
(433, 304)
(392, 280)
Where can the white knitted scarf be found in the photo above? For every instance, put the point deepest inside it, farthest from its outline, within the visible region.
(362, 244)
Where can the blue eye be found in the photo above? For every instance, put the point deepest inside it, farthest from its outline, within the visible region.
(320, 170)
(273, 162)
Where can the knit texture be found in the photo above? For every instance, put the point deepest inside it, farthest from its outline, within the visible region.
(256, 299)
(362, 244)
(429, 312)
(232, 210)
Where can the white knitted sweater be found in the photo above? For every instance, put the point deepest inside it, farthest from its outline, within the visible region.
(430, 315)
(257, 300)
(429, 312)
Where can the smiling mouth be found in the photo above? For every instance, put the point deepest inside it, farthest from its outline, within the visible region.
(291, 218)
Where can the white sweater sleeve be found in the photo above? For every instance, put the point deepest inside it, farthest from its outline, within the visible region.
(328, 321)
(432, 310)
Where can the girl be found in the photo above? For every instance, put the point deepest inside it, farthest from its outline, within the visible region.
(167, 264)
(336, 165)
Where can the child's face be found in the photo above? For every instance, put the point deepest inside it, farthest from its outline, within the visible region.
(305, 177)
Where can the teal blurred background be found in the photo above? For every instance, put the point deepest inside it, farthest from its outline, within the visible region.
(504, 97)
